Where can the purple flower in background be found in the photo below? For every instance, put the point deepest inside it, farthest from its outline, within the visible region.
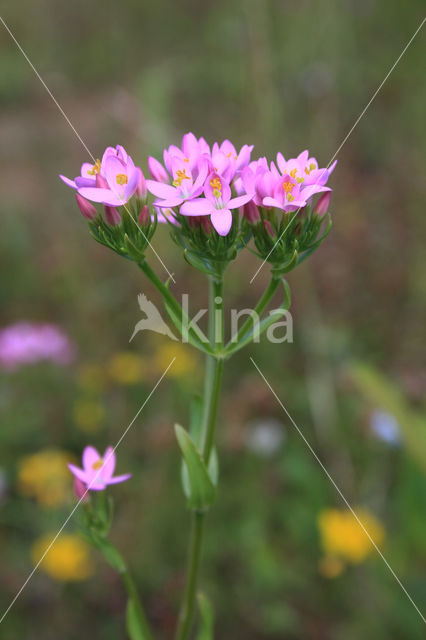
(385, 427)
(97, 472)
(24, 343)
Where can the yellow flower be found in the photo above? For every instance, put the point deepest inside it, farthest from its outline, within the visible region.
(67, 559)
(45, 476)
(92, 377)
(185, 363)
(343, 537)
(88, 415)
(126, 368)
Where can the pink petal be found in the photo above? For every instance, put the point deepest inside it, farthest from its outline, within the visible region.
(197, 207)
(168, 204)
(118, 479)
(132, 184)
(68, 182)
(90, 456)
(106, 196)
(161, 190)
(271, 202)
(79, 473)
(222, 221)
(109, 464)
(114, 166)
(239, 201)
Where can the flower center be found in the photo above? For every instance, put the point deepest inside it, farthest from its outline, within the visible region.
(310, 168)
(95, 169)
(180, 176)
(216, 185)
(97, 465)
(121, 178)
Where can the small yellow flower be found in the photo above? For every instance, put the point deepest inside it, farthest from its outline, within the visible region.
(45, 477)
(126, 368)
(184, 365)
(88, 415)
(67, 559)
(92, 378)
(343, 537)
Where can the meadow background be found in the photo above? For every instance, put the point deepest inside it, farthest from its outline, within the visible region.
(283, 76)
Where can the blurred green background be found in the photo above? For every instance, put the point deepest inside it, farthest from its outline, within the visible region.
(284, 76)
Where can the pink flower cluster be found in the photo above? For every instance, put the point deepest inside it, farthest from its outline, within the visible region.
(198, 180)
(24, 343)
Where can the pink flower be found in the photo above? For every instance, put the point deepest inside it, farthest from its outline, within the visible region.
(120, 178)
(289, 196)
(185, 185)
(217, 203)
(304, 169)
(24, 343)
(97, 472)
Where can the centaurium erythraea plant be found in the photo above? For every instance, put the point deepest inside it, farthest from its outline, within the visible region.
(217, 201)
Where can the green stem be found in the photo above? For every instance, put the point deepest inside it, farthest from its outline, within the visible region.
(134, 597)
(213, 376)
(195, 335)
(188, 604)
(259, 308)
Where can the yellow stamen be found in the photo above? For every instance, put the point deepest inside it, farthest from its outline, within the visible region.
(95, 169)
(293, 173)
(311, 167)
(216, 184)
(181, 175)
(121, 178)
(300, 180)
(290, 197)
(97, 465)
(288, 186)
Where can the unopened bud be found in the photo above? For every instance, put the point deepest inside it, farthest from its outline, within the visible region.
(323, 203)
(80, 490)
(268, 227)
(251, 212)
(144, 217)
(87, 209)
(112, 216)
(157, 171)
(141, 190)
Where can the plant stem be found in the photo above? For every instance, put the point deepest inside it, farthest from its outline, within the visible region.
(259, 308)
(213, 377)
(134, 597)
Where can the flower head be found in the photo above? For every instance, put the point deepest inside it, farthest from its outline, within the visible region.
(342, 535)
(25, 343)
(67, 559)
(97, 472)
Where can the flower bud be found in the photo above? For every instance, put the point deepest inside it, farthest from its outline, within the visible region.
(251, 212)
(112, 216)
(323, 203)
(87, 209)
(144, 216)
(101, 183)
(80, 490)
(157, 171)
(268, 228)
(141, 190)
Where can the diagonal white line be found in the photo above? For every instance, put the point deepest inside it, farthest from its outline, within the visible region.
(349, 132)
(84, 494)
(312, 450)
(77, 134)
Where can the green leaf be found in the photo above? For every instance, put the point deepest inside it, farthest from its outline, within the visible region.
(200, 489)
(205, 632)
(132, 623)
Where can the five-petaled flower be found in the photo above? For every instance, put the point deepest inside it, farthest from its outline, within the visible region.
(217, 203)
(98, 471)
